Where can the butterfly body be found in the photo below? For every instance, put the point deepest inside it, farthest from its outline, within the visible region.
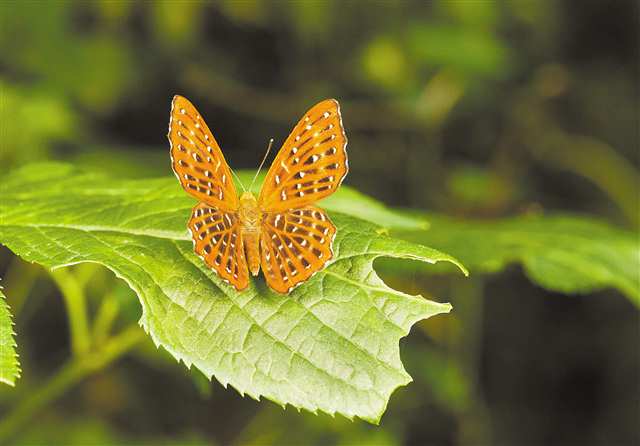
(281, 232)
(250, 221)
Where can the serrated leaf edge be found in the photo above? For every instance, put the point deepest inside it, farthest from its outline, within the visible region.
(14, 344)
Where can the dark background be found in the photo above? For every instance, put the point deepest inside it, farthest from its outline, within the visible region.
(468, 108)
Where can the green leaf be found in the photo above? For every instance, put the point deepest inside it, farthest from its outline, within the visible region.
(9, 366)
(330, 345)
(565, 253)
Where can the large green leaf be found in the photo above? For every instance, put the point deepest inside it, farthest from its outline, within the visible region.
(565, 253)
(9, 367)
(330, 345)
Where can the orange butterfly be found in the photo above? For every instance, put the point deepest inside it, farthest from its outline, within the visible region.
(280, 232)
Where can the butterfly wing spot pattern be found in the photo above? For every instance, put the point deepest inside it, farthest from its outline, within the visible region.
(217, 240)
(196, 158)
(295, 245)
(311, 163)
(294, 238)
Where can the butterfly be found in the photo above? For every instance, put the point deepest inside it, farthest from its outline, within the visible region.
(280, 231)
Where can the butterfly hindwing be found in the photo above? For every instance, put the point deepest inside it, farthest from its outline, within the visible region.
(311, 163)
(294, 245)
(218, 240)
(197, 159)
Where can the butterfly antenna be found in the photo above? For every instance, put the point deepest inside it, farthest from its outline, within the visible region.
(262, 163)
(238, 178)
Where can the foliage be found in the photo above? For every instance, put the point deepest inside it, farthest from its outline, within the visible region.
(330, 345)
(564, 253)
(31, 118)
(9, 366)
(484, 111)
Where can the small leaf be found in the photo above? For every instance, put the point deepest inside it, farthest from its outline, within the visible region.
(565, 253)
(9, 366)
(330, 345)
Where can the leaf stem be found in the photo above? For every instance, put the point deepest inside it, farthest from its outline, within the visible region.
(70, 374)
(75, 301)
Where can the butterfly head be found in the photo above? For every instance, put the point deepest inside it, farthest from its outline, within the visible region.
(247, 198)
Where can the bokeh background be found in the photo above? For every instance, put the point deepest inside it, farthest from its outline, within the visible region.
(468, 108)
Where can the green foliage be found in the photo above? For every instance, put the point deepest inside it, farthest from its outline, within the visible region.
(9, 366)
(330, 345)
(272, 427)
(93, 430)
(442, 45)
(385, 63)
(47, 28)
(441, 376)
(31, 118)
(563, 253)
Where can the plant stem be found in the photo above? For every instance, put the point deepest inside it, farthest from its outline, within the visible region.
(70, 374)
(106, 315)
(469, 295)
(75, 301)
(20, 279)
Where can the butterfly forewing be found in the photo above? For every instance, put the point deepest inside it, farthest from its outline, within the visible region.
(197, 159)
(295, 244)
(311, 163)
(218, 240)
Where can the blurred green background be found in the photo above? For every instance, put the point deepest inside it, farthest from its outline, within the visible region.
(468, 108)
